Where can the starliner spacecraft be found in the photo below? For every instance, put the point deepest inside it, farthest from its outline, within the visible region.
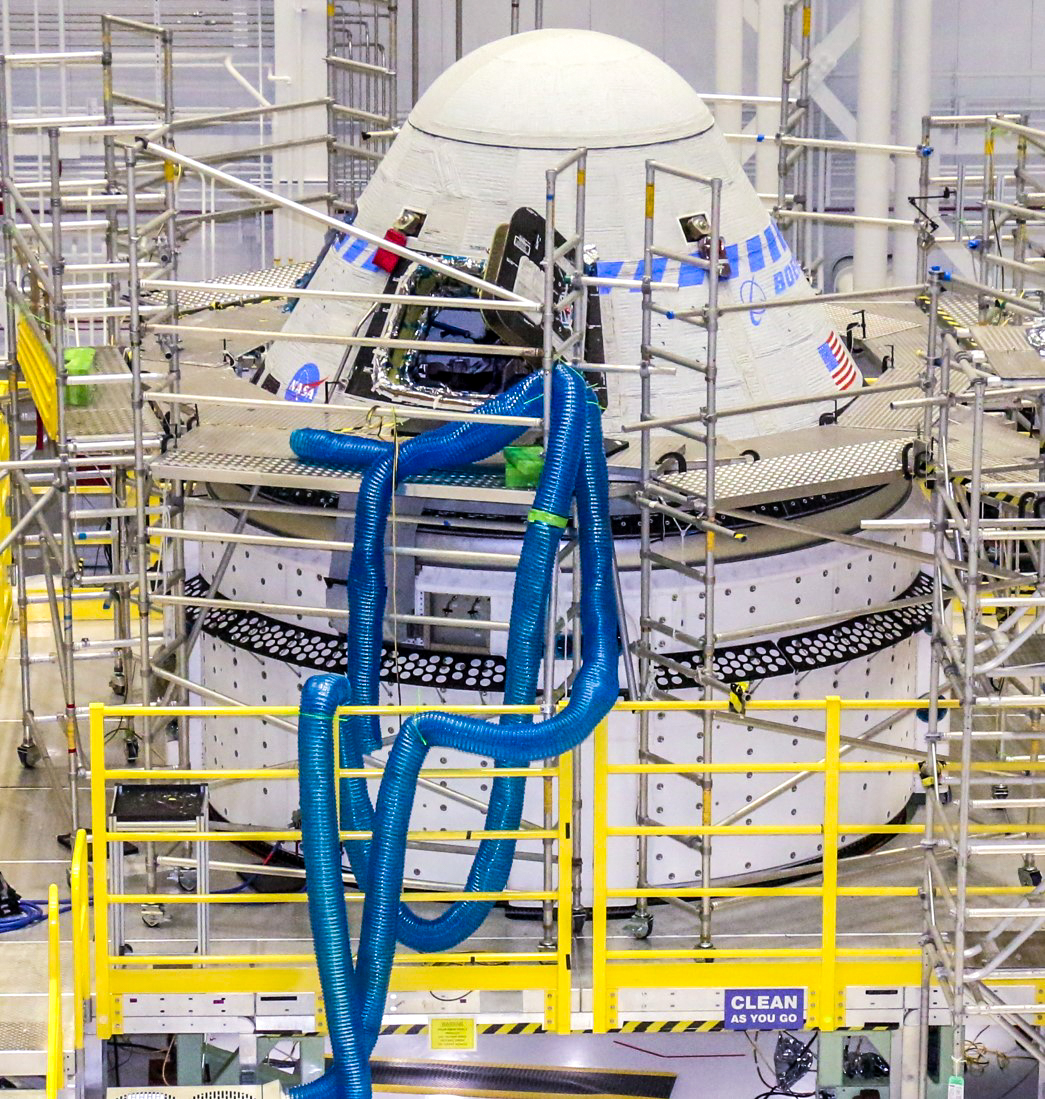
(464, 184)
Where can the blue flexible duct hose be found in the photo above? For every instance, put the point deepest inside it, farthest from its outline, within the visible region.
(456, 444)
(575, 465)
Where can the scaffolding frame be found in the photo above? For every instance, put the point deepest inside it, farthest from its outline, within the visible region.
(148, 571)
(980, 529)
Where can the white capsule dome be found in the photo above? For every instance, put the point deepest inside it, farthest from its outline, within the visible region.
(560, 89)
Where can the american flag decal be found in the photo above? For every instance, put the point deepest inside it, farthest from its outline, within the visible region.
(839, 362)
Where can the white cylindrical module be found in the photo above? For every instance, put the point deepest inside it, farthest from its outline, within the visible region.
(874, 123)
(914, 94)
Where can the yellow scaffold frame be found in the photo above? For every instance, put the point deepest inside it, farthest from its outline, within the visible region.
(117, 976)
(55, 1071)
(826, 971)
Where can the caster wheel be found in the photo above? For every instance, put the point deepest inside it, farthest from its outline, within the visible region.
(118, 685)
(153, 915)
(580, 918)
(29, 755)
(639, 927)
(126, 949)
(186, 878)
(131, 749)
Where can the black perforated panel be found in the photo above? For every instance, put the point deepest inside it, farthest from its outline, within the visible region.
(412, 666)
(325, 652)
(859, 636)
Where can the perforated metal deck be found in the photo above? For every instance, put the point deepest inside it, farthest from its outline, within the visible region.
(874, 459)
(278, 281)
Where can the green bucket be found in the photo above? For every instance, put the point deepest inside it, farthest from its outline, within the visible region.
(79, 361)
(522, 466)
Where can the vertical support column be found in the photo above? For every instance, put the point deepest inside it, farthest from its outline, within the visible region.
(804, 175)
(784, 126)
(178, 619)
(580, 329)
(970, 598)
(415, 51)
(874, 120)
(827, 1007)
(548, 691)
(645, 537)
(729, 62)
(914, 95)
(203, 881)
(936, 368)
(710, 430)
(100, 860)
(65, 485)
(393, 63)
(514, 25)
(1019, 229)
(770, 39)
(111, 186)
(28, 746)
(141, 478)
(458, 29)
(564, 888)
(925, 236)
(600, 860)
(333, 189)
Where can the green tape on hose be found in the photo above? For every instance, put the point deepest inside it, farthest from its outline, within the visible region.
(538, 516)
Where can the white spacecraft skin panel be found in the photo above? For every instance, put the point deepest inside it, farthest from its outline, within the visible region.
(872, 798)
(761, 592)
(468, 183)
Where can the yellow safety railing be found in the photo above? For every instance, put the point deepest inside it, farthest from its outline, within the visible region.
(6, 594)
(80, 900)
(117, 975)
(55, 1039)
(825, 969)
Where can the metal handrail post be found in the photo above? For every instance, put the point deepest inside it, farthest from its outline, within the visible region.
(925, 236)
(141, 479)
(28, 745)
(710, 432)
(564, 888)
(645, 534)
(972, 613)
(600, 861)
(63, 479)
(828, 1008)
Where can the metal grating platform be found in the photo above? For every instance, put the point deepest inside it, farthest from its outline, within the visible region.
(109, 412)
(1009, 352)
(279, 281)
(871, 461)
(879, 320)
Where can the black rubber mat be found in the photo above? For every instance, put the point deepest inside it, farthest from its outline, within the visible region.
(461, 1078)
(160, 802)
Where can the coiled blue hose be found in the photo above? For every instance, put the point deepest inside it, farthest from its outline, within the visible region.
(575, 467)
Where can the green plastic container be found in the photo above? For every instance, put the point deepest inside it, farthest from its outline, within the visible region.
(522, 466)
(79, 361)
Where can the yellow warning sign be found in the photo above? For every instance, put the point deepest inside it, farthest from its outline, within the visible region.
(451, 1032)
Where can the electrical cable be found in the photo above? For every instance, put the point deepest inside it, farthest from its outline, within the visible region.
(32, 912)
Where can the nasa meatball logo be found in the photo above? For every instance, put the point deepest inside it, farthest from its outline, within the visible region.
(303, 386)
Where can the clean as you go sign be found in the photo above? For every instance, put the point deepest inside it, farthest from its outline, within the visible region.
(764, 1008)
